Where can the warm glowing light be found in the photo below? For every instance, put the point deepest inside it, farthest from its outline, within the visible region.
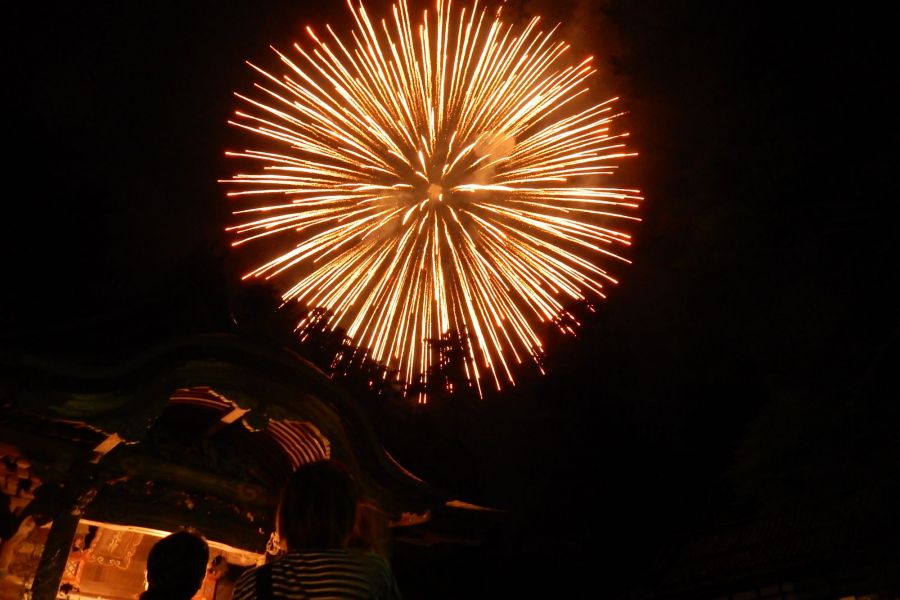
(434, 177)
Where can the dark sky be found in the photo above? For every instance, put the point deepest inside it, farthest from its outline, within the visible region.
(763, 267)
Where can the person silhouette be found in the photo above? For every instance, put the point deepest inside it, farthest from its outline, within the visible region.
(314, 523)
(176, 566)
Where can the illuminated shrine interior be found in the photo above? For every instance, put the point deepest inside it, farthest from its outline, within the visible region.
(109, 561)
(97, 465)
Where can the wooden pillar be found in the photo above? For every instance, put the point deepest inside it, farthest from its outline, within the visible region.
(56, 552)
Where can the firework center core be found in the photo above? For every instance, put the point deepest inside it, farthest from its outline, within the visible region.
(435, 192)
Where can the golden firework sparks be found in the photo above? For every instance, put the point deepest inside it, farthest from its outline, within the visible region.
(434, 177)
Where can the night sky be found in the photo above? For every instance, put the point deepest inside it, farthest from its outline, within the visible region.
(758, 308)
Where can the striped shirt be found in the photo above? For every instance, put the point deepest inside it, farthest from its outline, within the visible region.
(325, 575)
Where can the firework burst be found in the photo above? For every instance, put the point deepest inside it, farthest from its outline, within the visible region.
(434, 177)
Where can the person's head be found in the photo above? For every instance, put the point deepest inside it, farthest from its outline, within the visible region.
(176, 565)
(318, 507)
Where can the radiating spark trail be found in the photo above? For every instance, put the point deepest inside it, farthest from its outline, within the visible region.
(434, 177)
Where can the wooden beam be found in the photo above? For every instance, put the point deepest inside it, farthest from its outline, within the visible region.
(111, 441)
(56, 554)
(227, 419)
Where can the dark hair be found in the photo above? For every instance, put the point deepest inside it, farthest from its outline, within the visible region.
(318, 506)
(176, 565)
